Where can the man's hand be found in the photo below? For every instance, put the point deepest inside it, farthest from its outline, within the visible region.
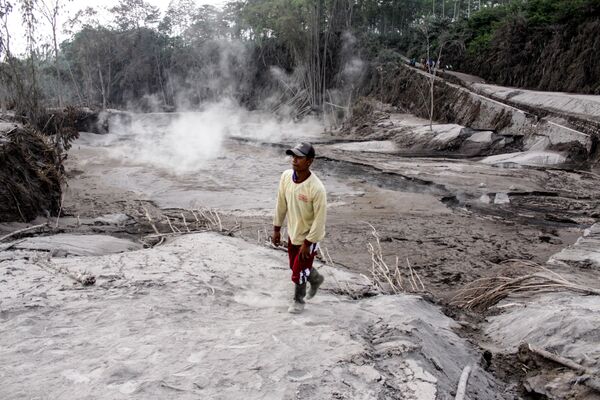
(305, 250)
(276, 238)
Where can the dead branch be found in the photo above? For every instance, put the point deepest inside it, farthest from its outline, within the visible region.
(173, 234)
(62, 197)
(18, 232)
(175, 230)
(235, 228)
(150, 220)
(185, 222)
(557, 359)
(327, 257)
(10, 245)
(270, 244)
(589, 379)
(384, 278)
(83, 278)
(462, 383)
(218, 219)
(195, 216)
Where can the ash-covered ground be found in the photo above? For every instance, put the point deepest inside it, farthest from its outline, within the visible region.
(204, 314)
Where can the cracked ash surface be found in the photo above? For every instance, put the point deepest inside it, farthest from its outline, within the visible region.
(179, 321)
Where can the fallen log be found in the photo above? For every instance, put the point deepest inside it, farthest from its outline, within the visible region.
(590, 379)
(24, 230)
(462, 383)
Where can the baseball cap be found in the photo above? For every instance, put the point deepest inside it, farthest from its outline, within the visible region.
(303, 149)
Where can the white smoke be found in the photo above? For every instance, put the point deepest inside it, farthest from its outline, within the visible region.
(353, 69)
(185, 142)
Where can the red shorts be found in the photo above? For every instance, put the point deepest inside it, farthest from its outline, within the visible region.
(300, 267)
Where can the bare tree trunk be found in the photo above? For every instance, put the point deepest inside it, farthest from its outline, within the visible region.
(50, 12)
(6, 43)
(75, 83)
(317, 53)
(160, 80)
(33, 99)
(433, 76)
(102, 89)
(325, 48)
(430, 82)
(56, 66)
(109, 82)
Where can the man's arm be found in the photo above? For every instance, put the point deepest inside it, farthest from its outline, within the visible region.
(280, 212)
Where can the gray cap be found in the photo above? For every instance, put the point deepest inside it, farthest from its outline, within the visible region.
(303, 149)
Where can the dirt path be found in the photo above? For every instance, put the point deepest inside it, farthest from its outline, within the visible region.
(448, 244)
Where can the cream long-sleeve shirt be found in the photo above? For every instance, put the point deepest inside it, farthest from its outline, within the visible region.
(305, 205)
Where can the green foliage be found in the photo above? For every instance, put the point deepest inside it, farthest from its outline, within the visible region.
(480, 44)
(543, 12)
(132, 14)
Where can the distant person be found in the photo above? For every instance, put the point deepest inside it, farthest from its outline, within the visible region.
(302, 198)
(430, 64)
(413, 62)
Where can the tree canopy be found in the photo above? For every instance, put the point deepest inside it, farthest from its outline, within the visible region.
(299, 51)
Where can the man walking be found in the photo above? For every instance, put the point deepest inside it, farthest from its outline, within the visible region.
(302, 198)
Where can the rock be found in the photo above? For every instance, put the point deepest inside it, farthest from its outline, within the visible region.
(484, 137)
(501, 198)
(585, 253)
(531, 158)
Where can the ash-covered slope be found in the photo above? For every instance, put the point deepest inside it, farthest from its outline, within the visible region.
(205, 317)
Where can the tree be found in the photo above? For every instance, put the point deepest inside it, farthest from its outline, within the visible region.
(5, 9)
(134, 14)
(206, 24)
(50, 9)
(309, 29)
(178, 17)
(92, 53)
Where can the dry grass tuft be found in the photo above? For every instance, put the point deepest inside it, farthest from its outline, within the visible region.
(169, 223)
(391, 280)
(486, 292)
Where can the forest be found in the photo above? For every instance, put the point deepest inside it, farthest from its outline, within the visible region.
(292, 56)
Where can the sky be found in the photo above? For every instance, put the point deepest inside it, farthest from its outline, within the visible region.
(18, 42)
